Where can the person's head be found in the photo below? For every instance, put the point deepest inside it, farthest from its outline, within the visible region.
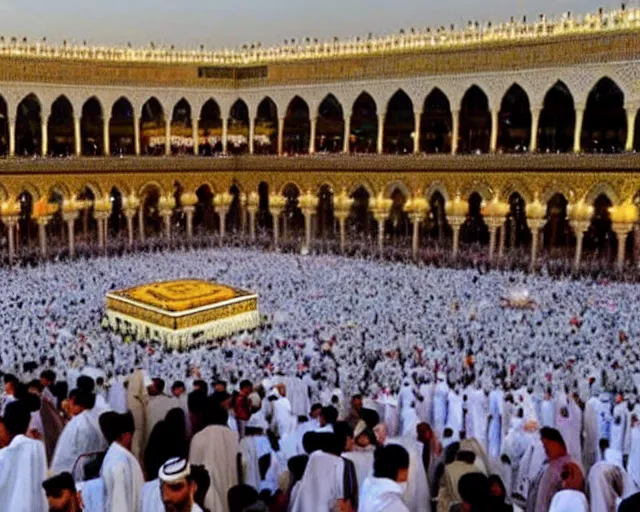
(240, 497)
(604, 445)
(17, 417)
(201, 385)
(466, 456)
(497, 490)
(246, 387)
(474, 491)
(392, 462)
(553, 443)
(297, 466)
(35, 387)
(80, 401)
(424, 432)
(177, 487)
(316, 410)
(10, 384)
(356, 402)
(202, 479)
(220, 386)
(380, 433)
(178, 389)
(328, 416)
(362, 435)
(86, 383)
(214, 413)
(48, 378)
(61, 493)
(345, 432)
(572, 477)
(118, 428)
(158, 386)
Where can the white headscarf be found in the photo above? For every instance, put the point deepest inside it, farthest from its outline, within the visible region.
(569, 501)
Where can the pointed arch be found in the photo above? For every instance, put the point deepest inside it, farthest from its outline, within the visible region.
(436, 123)
(514, 121)
(330, 125)
(238, 131)
(121, 129)
(60, 127)
(210, 128)
(29, 126)
(181, 128)
(399, 124)
(92, 127)
(475, 121)
(364, 124)
(604, 129)
(557, 120)
(360, 219)
(4, 127)
(152, 127)
(474, 230)
(297, 127)
(265, 139)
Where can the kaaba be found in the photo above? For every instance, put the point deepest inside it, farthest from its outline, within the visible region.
(182, 313)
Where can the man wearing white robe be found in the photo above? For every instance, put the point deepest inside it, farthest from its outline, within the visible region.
(619, 425)
(496, 411)
(175, 476)
(440, 401)
(383, 491)
(216, 448)
(158, 405)
(23, 463)
(82, 435)
(121, 472)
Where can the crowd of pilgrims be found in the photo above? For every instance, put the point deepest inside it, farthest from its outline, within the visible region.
(370, 386)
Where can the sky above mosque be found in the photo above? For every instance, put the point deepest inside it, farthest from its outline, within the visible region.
(219, 24)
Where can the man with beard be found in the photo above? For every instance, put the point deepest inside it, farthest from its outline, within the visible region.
(62, 495)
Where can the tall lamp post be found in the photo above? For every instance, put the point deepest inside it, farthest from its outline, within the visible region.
(417, 207)
(457, 211)
(580, 215)
(536, 218)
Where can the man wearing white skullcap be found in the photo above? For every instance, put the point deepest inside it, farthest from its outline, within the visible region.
(174, 491)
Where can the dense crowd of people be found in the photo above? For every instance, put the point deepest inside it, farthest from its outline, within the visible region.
(369, 386)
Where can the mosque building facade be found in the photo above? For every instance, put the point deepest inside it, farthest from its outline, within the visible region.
(517, 135)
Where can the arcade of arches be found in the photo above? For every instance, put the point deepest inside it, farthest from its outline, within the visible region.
(511, 217)
(606, 123)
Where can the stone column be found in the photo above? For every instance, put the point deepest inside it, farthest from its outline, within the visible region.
(129, 214)
(347, 134)
(535, 121)
(252, 135)
(44, 149)
(275, 212)
(141, 221)
(632, 111)
(10, 222)
(70, 219)
(136, 134)
(493, 144)
(252, 222)
(579, 227)
(101, 237)
(380, 141)
(167, 136)
(12, 137)
(455, 130)
(312, 134)
(188, 212)
(280, 135)
(42, 234)
(535, 225)
(106, 137)
(381, 219)
(456, 223)
(222, 212)
(342, 222)
(308, 224)
(577, 134)
(195, 135)
(416, 131)
(77, 136)
(416, 219)
(225, 134)
(621, 231)
(502, 239)
(166, 218)
(494, 224)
